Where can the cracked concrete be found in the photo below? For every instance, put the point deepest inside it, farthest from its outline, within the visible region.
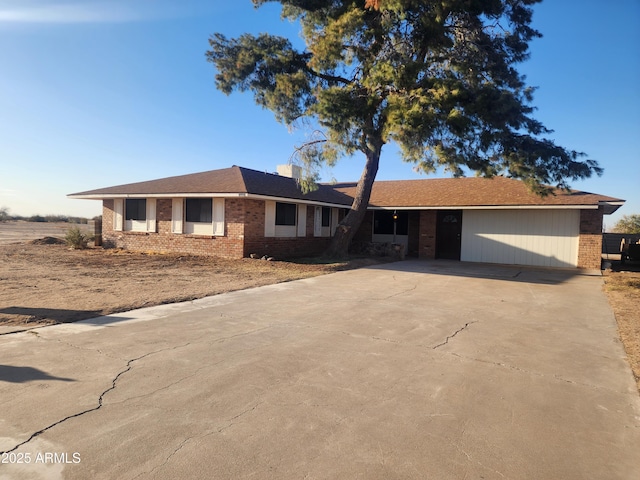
(458, 371)
(449, 337)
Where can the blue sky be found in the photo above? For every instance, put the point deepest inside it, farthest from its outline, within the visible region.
(96, 93)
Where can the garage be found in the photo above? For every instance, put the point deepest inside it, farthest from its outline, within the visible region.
(537, 237)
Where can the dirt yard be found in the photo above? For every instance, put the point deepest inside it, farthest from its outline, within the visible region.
(622, 286)
(47, 283)
(44, 283)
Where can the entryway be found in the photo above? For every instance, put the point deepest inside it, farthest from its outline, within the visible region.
(449, 234)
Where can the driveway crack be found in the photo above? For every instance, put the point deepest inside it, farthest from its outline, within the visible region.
(401, 292)
(127, 368)
(446, 340)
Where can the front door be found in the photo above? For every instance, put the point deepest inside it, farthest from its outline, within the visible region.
(449, 234)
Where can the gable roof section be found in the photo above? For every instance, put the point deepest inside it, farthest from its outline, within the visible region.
(233, 181)
(469, 192)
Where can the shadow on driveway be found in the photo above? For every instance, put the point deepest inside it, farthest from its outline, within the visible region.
(9, 373)
(55, 314)
(514, 273)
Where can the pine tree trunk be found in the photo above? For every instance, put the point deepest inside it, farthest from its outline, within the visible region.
(347, 228)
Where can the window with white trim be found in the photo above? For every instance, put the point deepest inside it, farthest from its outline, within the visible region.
(326, 221)
(199, 210)
(286, 214)
(135, 214)
(283, 219)
(198, 216)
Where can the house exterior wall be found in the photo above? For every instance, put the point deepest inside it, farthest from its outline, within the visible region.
(255, 241)
(590, 241)
(427, 234)
(244, 234)
(538, 237)
(163, 240)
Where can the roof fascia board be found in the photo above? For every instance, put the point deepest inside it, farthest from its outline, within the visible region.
(610, 207)
(254, 196)
(155, 195)
(491, 207)
(251, 196)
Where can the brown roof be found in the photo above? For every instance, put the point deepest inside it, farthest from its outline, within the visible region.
(467, 192)
(425, 193)
(233, 180)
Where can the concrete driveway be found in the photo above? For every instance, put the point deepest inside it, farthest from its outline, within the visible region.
(425, 370)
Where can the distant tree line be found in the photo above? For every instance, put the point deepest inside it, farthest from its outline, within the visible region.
(6, 216)
(628, 224)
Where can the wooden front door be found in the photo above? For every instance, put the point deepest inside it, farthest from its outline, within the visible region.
(449, 234)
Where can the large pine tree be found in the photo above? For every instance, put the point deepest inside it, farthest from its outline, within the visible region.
(437, 77)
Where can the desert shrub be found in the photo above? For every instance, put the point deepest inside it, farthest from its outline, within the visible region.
(76, 238)
(4, 214)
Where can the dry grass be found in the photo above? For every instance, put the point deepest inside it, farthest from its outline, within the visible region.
(623, 290)
(44, 283)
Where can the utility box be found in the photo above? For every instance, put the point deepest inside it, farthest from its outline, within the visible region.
(95, 227)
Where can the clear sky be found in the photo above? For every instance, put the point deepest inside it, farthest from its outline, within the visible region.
(95, 93)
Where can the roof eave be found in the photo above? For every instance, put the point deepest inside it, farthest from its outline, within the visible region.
(611, 207)
(485, 207)
(253, 196)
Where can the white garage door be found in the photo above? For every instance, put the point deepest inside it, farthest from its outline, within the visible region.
(546, 238)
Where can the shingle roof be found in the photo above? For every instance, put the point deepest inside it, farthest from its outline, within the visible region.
(233, 180)
(437, 192)
(467, 192)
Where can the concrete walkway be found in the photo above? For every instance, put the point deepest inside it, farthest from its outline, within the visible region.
(411, 370)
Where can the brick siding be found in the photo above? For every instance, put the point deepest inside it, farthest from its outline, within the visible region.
(164, 241)
(427, 232)
(282, 247)
(590, 241)
(244, 234)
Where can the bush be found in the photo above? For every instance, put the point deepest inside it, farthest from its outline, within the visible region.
(77, 239)
(628, 224)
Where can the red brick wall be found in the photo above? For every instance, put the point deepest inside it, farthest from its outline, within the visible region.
(228, 246)
(413, 248)
(590, 242)
(365, 232)
(278, 247)
(427, 234)
(244, 234)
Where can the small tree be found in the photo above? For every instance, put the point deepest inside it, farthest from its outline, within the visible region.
(628, 224)
(76, 238)
(436, 77)
(4, 214)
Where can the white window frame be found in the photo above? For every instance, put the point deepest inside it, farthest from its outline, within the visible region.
(149, 225)
(179, 225)
(325, 231)
(285, 231)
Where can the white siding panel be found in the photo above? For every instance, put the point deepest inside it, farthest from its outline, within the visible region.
(270, 218)
(118, 214)
(317, 223)
(177, 210)
(334, 221)
(151, 215)
(218, 217)
(302, 220)
(546, 238)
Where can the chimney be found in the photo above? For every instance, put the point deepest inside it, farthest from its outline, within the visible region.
(291, 171)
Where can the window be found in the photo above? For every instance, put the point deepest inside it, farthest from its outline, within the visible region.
(134, 214)
(383, 223)
(326, 216)
(136, 209)
(198, 216)
(285, 219)
(199, 210)
(286, 214)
